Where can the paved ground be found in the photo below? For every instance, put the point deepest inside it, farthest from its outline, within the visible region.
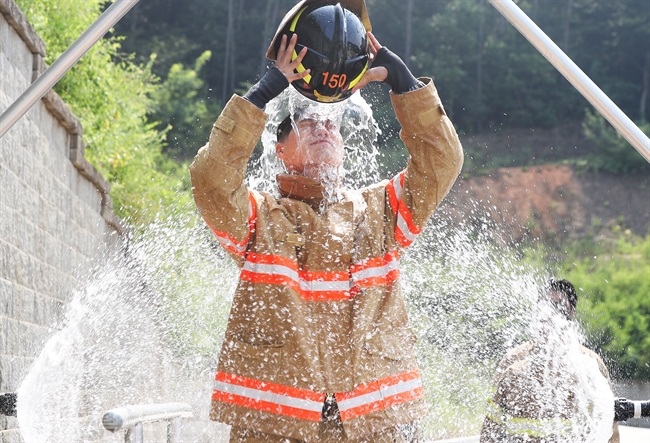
(628, 435)
(634, 435)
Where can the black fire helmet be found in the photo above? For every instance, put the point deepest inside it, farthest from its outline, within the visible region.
(337, 47)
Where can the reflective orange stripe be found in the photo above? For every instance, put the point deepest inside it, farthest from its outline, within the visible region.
(307, 405)
(266, 406)
(268, 397)
(275, 388)
(380, 394)
(382, 404)
(376, 271)
(310, 285)
(376, 385)
(405, 230)
(320, 285)
(229, 243)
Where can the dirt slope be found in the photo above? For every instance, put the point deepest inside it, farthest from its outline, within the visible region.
(554, 201)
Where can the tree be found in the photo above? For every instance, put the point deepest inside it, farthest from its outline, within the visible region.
(614, 306)
(181, 113)
(611, 153)
(110, 95)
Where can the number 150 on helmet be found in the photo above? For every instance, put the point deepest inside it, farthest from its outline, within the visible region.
(335, 35)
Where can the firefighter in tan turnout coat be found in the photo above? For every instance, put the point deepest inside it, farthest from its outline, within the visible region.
(318, 345)
(537, 404)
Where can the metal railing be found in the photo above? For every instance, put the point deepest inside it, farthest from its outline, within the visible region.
(132, 418)
(63, 64)
(574, 75)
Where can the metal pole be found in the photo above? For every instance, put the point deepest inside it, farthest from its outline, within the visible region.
(574, 74)
(66, 61)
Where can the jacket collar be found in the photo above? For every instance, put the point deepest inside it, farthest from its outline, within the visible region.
(300, 188)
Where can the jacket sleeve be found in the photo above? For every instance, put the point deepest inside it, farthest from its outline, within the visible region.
(615, 438)
(436, 158)
(492, 432)
(218, 174)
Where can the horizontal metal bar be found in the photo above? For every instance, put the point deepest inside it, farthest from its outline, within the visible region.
(128, 416)
(575, 76)
(63, 64)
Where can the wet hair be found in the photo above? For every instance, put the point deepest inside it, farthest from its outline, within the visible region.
(284, 129)
(566, 288)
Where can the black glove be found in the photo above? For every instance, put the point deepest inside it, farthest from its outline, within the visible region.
(399, 77)
(269, 86)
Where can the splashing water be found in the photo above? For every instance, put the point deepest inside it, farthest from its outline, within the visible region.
(573, 386)
(358, 128)
(143, 329)
(147, 326)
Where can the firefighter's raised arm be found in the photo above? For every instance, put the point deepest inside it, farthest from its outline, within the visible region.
(219, 169)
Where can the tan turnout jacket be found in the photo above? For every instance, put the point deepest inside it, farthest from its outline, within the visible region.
(518, 414)
(318, 308)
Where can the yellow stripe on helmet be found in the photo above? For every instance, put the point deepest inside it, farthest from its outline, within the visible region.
(294, 23)
(292, 28)
(325, 98)
(357, 78)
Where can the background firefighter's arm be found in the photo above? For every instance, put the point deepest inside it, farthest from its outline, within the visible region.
(615, 438)
(492, 432)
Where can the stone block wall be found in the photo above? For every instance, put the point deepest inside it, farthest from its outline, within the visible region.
(55, 209)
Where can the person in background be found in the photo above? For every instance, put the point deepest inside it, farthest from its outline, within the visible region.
(318, 345)
(523, 407)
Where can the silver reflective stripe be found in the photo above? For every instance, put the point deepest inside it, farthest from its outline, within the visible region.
(260, 268)
(637, 409)
(316, 286)
(227, 242)
(383, 392)
(398, 186)
(270, 397)
(401, 224)
(379, 271)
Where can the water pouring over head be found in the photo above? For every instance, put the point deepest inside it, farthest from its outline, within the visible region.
(563, 297)
(310, 143)
(318, 313)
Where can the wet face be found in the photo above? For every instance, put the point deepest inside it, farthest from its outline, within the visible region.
(313, 146)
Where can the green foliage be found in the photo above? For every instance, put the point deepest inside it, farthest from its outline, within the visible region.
(612, 153)
(613, 282)
(179, 110)
(111, 97)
